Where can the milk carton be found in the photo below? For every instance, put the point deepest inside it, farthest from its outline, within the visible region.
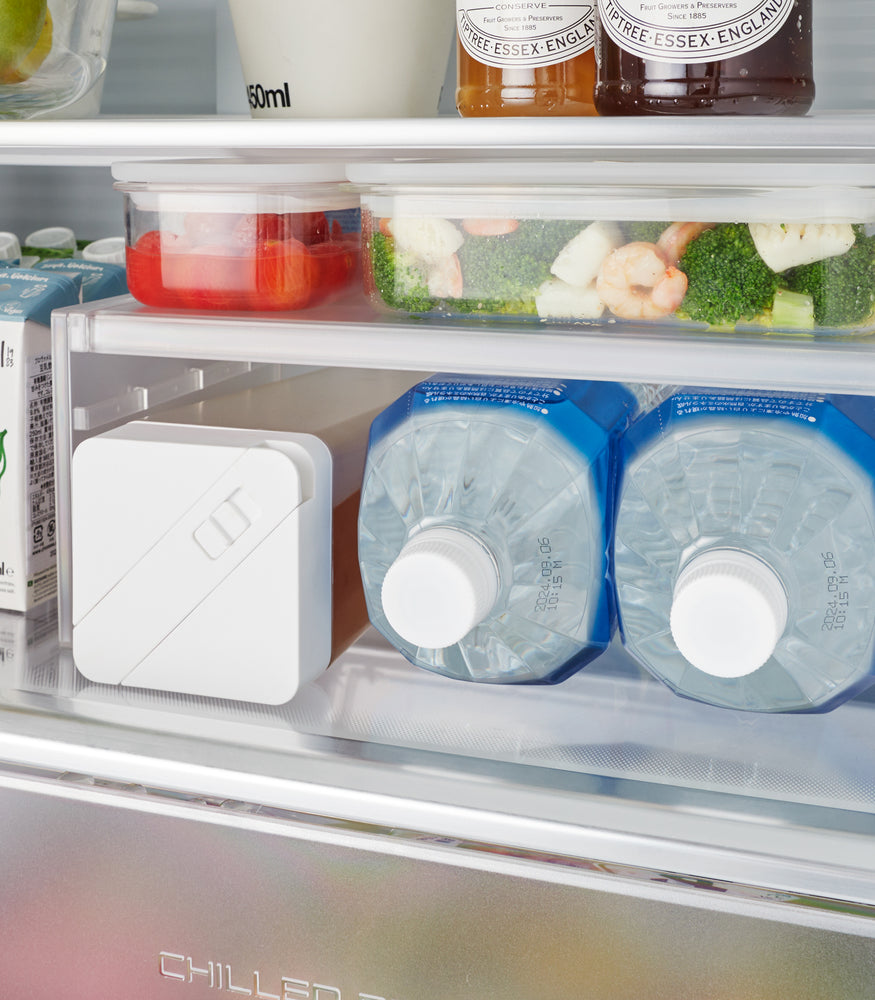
(100, 279)
(27, 490)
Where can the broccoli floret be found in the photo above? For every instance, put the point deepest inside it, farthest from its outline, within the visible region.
(843, 287)
(728, 279)
(644, 232)
(400, 283)
(502, 274)
(489, 307)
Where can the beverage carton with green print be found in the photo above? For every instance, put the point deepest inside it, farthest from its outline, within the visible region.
(28, 548)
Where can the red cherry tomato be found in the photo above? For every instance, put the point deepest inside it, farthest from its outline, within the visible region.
(336, 265)
(150, 268)
(308, 227)
(253, 229)
(283, 276)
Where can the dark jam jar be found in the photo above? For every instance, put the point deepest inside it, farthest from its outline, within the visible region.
(698, 57)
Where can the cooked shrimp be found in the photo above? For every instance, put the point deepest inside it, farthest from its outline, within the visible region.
(637, 282)
(679, 235)
(445, 278)
(490, 227)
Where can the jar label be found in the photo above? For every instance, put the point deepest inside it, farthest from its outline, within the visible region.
(525, 34)
(692, 31)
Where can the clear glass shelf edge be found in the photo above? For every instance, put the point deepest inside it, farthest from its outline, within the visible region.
(104, 139)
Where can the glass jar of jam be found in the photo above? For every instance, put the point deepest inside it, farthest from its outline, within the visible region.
(690, 57)
(525, 58)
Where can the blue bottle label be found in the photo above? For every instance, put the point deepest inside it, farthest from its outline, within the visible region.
(846, 421)
(607, 405)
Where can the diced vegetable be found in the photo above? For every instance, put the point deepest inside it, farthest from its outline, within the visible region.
(793, 310)
(579, 260)
(556, 299)
(431, 239)
(786, 245)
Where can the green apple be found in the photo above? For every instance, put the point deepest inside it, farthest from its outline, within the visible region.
(21, 23)
(34, 59)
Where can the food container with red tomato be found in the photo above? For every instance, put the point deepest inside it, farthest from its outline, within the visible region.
(238, 235)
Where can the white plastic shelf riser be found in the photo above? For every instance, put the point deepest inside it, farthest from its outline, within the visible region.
(354, 335)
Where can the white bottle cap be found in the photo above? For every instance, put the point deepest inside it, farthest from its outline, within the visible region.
(110, 250)
(134, 10)
(53, 238)
(442, 584)
(728, 612)
(10, 248)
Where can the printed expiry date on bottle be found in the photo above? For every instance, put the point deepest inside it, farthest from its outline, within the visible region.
(838, 594)
(550, 581)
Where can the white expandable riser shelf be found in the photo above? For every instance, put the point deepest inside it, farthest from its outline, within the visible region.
(352, 334)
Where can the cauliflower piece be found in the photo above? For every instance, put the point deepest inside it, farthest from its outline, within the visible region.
(578, 262)
(786, 245)
(430, 239)
(556, 299)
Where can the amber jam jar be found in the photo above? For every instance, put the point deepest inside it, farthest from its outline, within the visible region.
(525, 59)
(694, 57)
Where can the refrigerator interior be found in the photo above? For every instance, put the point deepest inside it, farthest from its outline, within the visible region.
(389, 832)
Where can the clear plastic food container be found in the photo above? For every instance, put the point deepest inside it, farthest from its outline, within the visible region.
(765, 247)
(235, 235)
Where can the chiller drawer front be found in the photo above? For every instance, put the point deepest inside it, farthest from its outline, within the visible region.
(115, 890)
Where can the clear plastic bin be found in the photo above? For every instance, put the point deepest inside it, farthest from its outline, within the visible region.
(757, 247)
(233, 235)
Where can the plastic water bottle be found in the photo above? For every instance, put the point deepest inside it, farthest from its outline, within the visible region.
(744, 548)
(482, 530)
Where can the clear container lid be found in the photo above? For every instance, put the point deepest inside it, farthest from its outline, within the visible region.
(233, 185)
(230, 173)
(693, 191)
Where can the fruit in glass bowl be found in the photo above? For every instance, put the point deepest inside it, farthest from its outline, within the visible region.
(25, 38)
